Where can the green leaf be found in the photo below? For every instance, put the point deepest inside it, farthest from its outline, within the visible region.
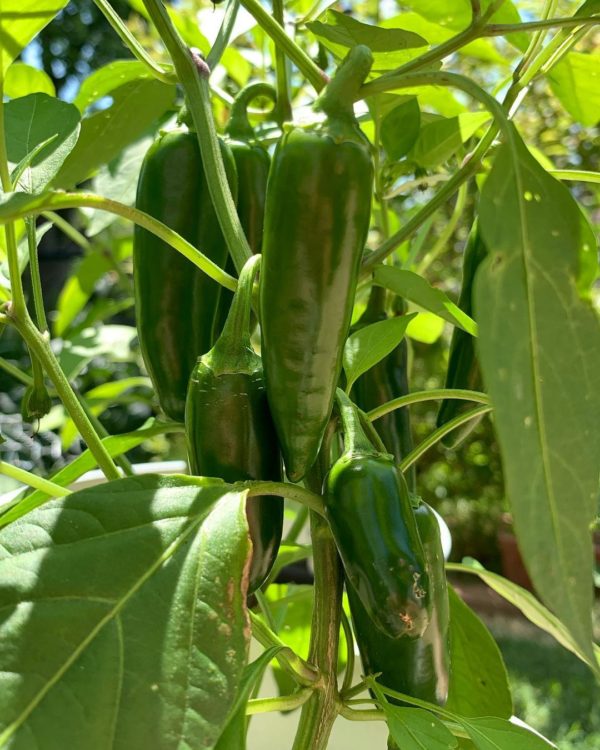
(136, 105)
(390, 47)
(441, 139)
(20, 21)
(114, 340)
(31, 120)
(115, 446)
(109, 78)
(234, 734)
(529, 606)
(416, 289)
(125, 616)
(400, 128)
(576, 82)
(369, 345)
(416, 729)
(478, 679)
(540, 355)
(489, 733)
(22, 79)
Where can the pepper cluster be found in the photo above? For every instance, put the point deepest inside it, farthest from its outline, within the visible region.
(308, 211)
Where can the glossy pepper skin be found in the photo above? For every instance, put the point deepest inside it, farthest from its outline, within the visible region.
(374, 527)
(252, 161)
(463, 367)
(175, 302)
(229, 430)
(387, 380)
(317, 218)
(418, 666)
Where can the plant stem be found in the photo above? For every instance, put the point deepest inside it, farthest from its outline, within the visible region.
(349, 651)
(283, 703)
(433, 395)
(303, 672)
(502, 29)
(36, 279)
(136, 49)
(224, 35)
(58, 200)
(448, 231)
(69, 230)
(365, 715)
(16, 372)
(283, 489)
(297, 525)
(31, 480)
(577, 175)
(284, 105)
(314, 75)
(423, 447)
(39, 346)
(193, 76)
(320, 711)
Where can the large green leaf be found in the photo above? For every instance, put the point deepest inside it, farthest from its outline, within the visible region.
(124, 621)
(489, 733)
(136, 105)
(529, 606)
(31, 121)
(22, 79)
(415, 729)
(478, 679)
(576, 82)
(20, 21)
(539, 349)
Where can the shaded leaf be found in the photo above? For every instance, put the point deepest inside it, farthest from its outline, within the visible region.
(416, 289)
(478, 679)
(369, 345)
(441, 139)
(416, 729)
(576, 82)
(92, 342)
(125, 621)
(400, 128)
(540, 357)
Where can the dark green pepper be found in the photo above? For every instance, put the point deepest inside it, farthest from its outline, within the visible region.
(252, 163)
(317, 218)
(463, 367)
(387, 380)
(175, 302)
(373, 524)
(416, 665)
(229, 430)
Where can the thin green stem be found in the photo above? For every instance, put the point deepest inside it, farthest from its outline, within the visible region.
(69, 230)
(444, 238)
(18, 295)
(502, 29)
(284, 104)
(365, 715)
(59, 200)
(433, 395)
(224, 35)
(536, 41)
(39, 346)
(314, 75)
(576, 175)
(31, 480)
(298, 524)
(265, 609)
(283, 703)
(436, 436)
(283, 489)
(16, 372)
(347, 628)
(136, 49)
(193, 75)
(302, 672)
(36, 279)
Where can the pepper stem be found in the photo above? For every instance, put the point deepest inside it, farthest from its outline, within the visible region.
(342, 91)
(233, 350)
(355, 438)
(239, 127)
